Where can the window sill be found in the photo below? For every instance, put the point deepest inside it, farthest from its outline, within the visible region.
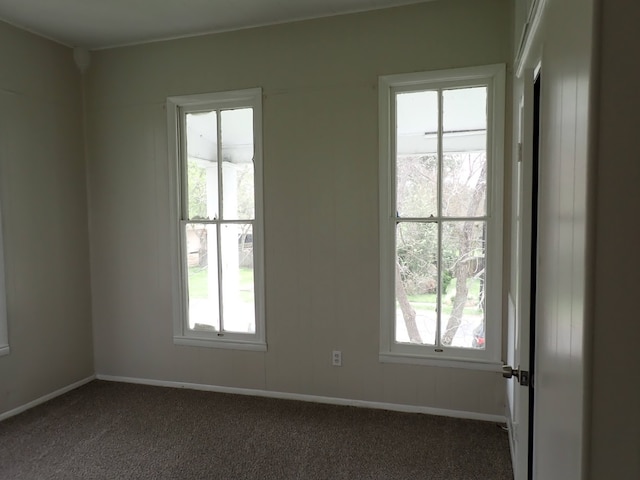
(4, 350)
(216, 343)
(466, 363)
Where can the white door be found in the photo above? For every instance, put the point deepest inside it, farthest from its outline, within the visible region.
(520, 301)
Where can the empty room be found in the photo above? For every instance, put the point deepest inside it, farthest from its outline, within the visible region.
(385, 239)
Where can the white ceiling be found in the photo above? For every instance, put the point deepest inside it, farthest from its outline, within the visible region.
(94, 24)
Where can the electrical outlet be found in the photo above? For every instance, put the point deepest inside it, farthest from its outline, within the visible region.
(336, 358)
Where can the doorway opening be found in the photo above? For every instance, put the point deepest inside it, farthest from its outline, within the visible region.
(534, 260)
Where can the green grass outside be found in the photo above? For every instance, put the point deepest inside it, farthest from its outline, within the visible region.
(198, 288)
(427, 301)
(199, 284)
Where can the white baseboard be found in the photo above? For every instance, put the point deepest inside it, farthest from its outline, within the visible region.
(310, 398)
(45, 398)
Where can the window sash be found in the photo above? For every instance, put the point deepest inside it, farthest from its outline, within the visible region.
(221, 278)
(440, 225)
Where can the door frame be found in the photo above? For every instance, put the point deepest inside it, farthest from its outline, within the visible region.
(533, 286)
(521, 320)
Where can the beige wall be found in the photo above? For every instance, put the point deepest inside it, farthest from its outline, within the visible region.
(615, 418)
(319, 80)
(43, 195)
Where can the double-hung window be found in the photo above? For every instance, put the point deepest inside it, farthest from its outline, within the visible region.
(216, 159)
(4, 334)
(441, 149)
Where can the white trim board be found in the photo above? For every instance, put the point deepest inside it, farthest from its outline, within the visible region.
(528, 40)
(310, 398)
(45, 398)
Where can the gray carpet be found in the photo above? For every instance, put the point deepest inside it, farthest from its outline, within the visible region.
(107, 430)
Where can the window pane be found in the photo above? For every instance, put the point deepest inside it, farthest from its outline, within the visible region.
(237, 166)
(238, 299)
(464, 184)
(203, 277)
(464, 159)
(416, 154)
(202, 165)
(416, 285)
(464, 109)
(463, 284)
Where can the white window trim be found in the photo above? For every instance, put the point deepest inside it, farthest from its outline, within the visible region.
(4, 328)
(181, 333)
(493, 76)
